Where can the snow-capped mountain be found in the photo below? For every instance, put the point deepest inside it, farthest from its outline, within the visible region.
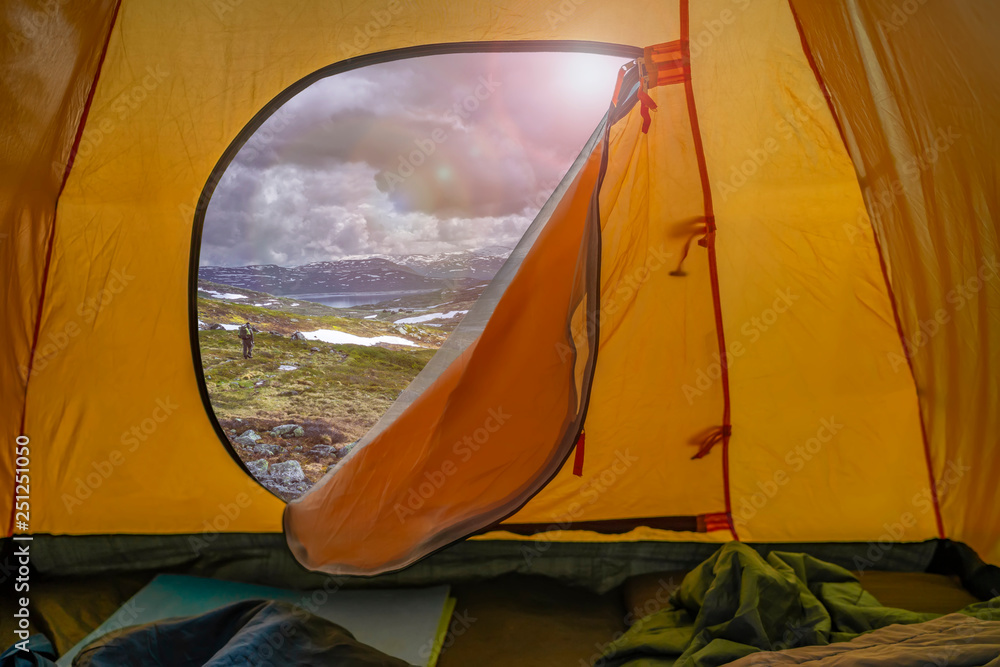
(482, 264)
(374, 273)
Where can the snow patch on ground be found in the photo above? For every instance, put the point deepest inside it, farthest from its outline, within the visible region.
(231, 327)
(343, 338)
(431, 316)
(370, 317)
(286, 367)
(220, 295)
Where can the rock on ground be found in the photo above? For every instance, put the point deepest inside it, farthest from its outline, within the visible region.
(288, 431)
(323, 450)
(286, 471)
(286, 479)
(257, 468)
(266, 449)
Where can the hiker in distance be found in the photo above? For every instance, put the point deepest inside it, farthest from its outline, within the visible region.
(246, 335)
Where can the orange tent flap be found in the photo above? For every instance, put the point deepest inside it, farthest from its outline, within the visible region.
(487, 435)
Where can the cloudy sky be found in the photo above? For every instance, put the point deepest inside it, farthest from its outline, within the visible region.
(423, 155)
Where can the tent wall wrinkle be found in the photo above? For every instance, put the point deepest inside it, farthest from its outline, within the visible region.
(915, 88)
(49, 55)
(826, 437)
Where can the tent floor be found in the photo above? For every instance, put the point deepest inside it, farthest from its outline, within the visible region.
(513, 619)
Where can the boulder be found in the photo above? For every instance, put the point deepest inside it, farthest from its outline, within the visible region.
(288, 431)
(298, 335)
(246, 442)
(267, 449)
(287, 491)
(323, 450)
(314, 349)
(257, 468)
(286, 472)
(250, 433)
(215, 327)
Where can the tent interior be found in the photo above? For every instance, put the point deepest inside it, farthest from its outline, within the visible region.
(745, 357)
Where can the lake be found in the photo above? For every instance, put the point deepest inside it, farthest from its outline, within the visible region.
(355, 298)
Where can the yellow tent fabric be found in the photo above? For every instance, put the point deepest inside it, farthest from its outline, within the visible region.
(915, 87)
(843, 152)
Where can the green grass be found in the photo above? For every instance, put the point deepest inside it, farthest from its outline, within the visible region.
(336, 392)
(350, 386)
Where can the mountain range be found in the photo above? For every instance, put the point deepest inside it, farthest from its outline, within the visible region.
(371, 273)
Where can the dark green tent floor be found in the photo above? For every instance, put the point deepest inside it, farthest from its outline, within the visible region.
(512, 620)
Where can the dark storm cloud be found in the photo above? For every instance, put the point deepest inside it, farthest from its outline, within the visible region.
(423, 155)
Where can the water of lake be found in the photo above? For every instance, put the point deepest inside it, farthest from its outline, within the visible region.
(355, 298)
